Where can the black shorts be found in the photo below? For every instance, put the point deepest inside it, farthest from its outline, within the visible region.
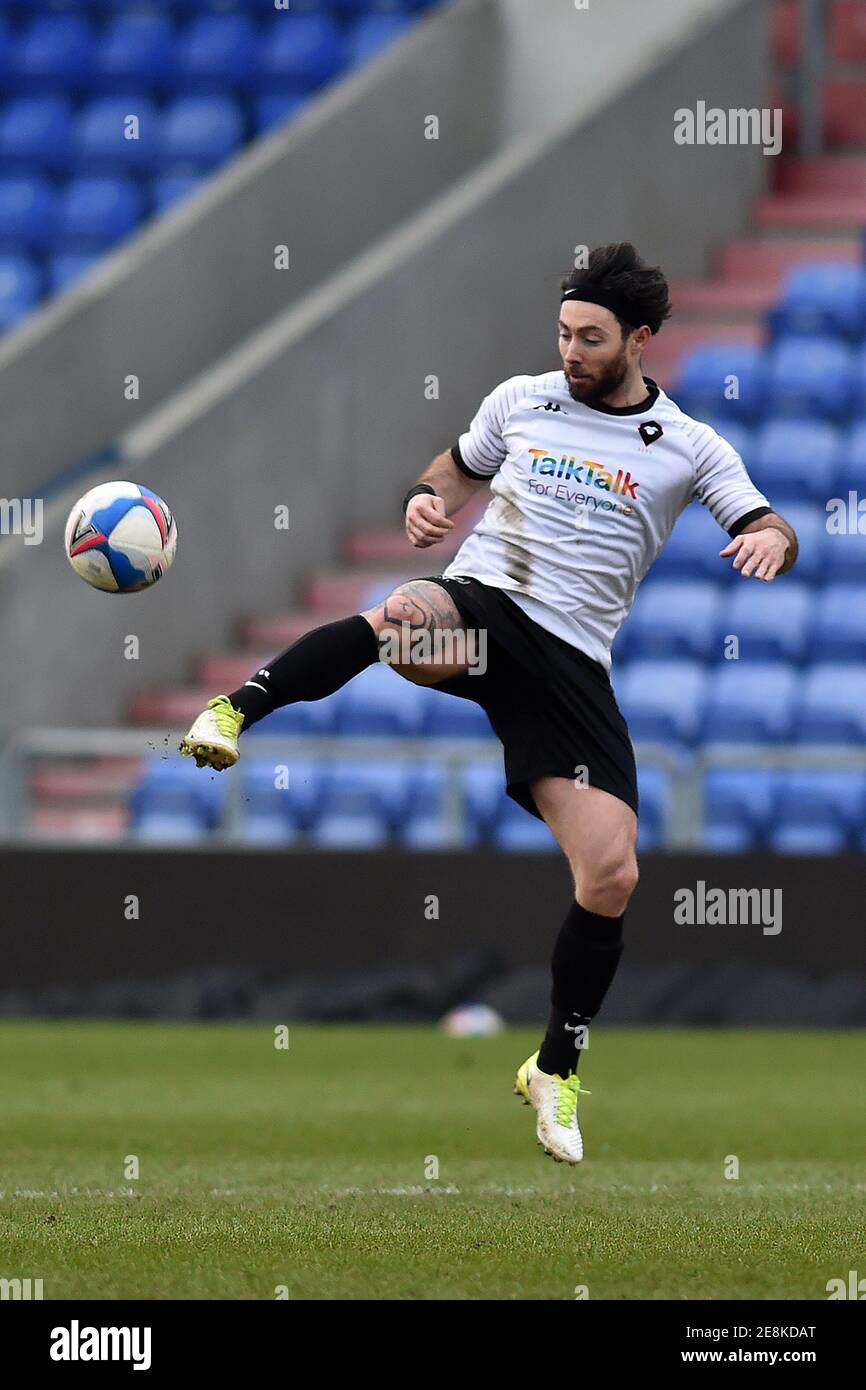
(552, 708)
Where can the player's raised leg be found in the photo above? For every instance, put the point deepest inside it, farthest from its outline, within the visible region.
(323, 660)
(598, 835)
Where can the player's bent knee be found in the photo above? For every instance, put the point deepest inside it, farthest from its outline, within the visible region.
(606, 887)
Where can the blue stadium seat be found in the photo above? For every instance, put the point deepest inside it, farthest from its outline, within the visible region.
(373, 33)
(656, 796)
(297, 802)
(20, 287)
(35, 132)
(796, 459)
(693, 548)
(171, 788)
(738, 808)
(199, 132)
(300, 52)
(96, 212)
(750, 702)
(663, 700)
(832, 705)
(674, 618)
(852, 460)
(350, 830)
(771, 623)
(171, 189)
(859, 401)
(843, 544)
(785, 838)
(453, 717)
(359, 784)
(135, 50)
(65, 269)
(216, 51)
(106, 139)
(809, 378)
(839, 624)
(53, 51)
(483, 789)
(516, 831)
(28, 214)
(815, 797)
(809, 520)
(424, 823)
(273, 110)
(170, 828)
(822, 298)
(378, 701)
(708, 375)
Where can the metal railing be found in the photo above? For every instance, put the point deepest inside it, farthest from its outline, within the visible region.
(685, 768)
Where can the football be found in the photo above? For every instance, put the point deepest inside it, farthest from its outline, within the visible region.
(120, 537)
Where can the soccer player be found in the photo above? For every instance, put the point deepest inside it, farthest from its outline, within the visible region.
(589, 467)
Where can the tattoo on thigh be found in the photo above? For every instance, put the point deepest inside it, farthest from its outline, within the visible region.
(425, 607)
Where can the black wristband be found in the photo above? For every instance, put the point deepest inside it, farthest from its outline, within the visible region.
(416, 491)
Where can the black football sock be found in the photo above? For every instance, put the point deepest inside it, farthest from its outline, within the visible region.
(315, 666)
(585, 959)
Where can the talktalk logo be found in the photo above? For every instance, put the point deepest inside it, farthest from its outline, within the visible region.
(587, 473)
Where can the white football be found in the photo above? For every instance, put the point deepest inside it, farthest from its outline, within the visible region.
(120, 537)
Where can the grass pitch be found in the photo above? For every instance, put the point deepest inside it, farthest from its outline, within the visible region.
(311, 1169)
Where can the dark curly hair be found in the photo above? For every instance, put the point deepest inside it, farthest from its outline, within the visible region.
(619, 267)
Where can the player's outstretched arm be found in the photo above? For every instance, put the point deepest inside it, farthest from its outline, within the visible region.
(427, 514)
(765, 548)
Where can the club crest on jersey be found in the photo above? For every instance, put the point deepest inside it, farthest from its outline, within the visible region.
(588, 473)
(650, 431)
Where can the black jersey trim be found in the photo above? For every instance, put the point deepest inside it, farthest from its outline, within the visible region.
(464, 467)
(744, 520)
(639, 409)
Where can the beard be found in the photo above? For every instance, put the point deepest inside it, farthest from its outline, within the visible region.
(594, 390)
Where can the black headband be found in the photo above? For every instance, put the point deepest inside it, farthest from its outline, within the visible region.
(619, 304)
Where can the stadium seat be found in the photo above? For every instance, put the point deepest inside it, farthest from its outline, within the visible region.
(852, 460)
(655, 796)
(692, 551)
(749, 702)
(738, 808)
(373, 33)
(450, 717)
(816, 797)
(28, 214)
(199, 132)
(270, 111)
(135, 50)
(300, 52)
(482, 787)
(809, 520)
(839, 624)
(218, 51)
(832, 705)
(350, 830)
(674, 619)
(170, 828)
(171, 189)
(843, 544)
(785, 838)
(859, 400)
(796, 459)
(107, 141)
(93, 213)
(823, 298)
(722, 380)
(20, 286)
(516, 831)
(35, 133)
(378, 701)
(64, 270)
(810, 378)
(771, 623)
(53, 51)
(361, 785)
(663, 700)
(177, 788)
(297, 801)
(424, 823)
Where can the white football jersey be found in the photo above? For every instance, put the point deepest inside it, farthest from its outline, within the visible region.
(584, 498)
